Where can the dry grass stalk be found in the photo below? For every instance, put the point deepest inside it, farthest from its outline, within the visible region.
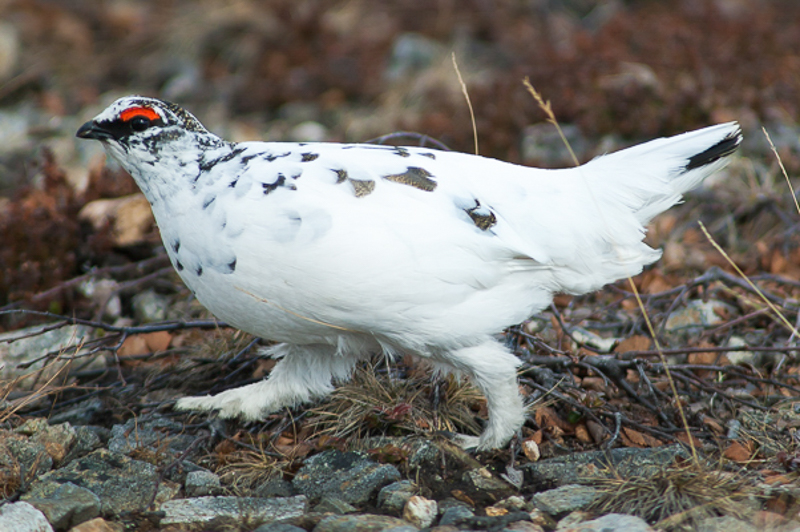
(674, 498)
(371, 402)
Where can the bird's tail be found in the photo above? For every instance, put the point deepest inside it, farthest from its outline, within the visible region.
(660, 171)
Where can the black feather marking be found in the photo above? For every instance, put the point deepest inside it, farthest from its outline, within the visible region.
(308, 157)
(199, 270)
(429, 155)
(178, 265)
(280, 182)
(232, 265)
(208, 202)
(416, 177)
(269, 157)
(716, 152)
(235, 180)
(176, 245)
(208, 165)
(341, 176)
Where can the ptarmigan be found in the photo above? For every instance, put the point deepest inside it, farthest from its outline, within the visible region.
(338, 251)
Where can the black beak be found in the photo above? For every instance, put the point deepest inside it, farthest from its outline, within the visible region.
(92, 130)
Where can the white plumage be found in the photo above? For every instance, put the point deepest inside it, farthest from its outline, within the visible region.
(342, 250)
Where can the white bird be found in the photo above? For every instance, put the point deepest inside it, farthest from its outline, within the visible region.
(338, 251)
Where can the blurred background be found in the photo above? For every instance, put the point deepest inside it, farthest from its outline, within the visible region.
(616, 72)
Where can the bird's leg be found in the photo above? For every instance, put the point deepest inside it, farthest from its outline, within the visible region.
(493, 369)
(303, 373)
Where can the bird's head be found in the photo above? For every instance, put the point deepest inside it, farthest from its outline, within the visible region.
(138, 130)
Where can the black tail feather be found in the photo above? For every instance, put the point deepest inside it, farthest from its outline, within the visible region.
(719, 150)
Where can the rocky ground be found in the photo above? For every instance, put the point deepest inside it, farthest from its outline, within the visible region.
(98, 337)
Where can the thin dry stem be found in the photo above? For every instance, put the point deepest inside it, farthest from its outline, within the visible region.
(469, 103)
(764, 298)
(783, 169)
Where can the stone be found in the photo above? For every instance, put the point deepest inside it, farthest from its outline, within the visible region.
(279, 527)
(420, 511)
(98, 524)
(456, 514)
(18, 453)
(22, 517)
(161, 436)
(696, 316)
(68, 506)
(610, 523)
(214, 511)
(726, 523)
(350, 476)
(202, 483)
(121, 483)
(334, 505)
(565, 499)
(393, 498)
(276, 487)
(363, 523)
(33, 343)
(149, 306)
(628, 462)
(56, 439)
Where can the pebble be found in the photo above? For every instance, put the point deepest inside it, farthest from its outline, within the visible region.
(565, 499)
(68, 506)
(201, 483)
(32, 344)
(393, 498)
(420, 511)
(350, 476)
(121, 484)
(98, 524)
(611, 523)
(363, 523)
(200, 511)
(22, 517)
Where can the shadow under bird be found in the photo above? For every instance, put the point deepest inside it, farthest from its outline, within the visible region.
(338, 251)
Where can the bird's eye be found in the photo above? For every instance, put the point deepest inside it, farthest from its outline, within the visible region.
(140, 118)
(139, 123)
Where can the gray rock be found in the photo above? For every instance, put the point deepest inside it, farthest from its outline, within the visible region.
(158, 434)
(22, 517)
(202, 483)
(565, 499)
(350, 476)
(334, 505)
(56, 439)
(279, 527)
(215, 511)
(122, 484)
(611, 523)
(726, 523)
(26, 345)
(455, 514)
(483, 480)
(696, 316)
(628, 462)
(86, 441)
(393, 498)
(68, 506)
(149, 306)
(276, 487)
(363, 523)
(17, 452)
